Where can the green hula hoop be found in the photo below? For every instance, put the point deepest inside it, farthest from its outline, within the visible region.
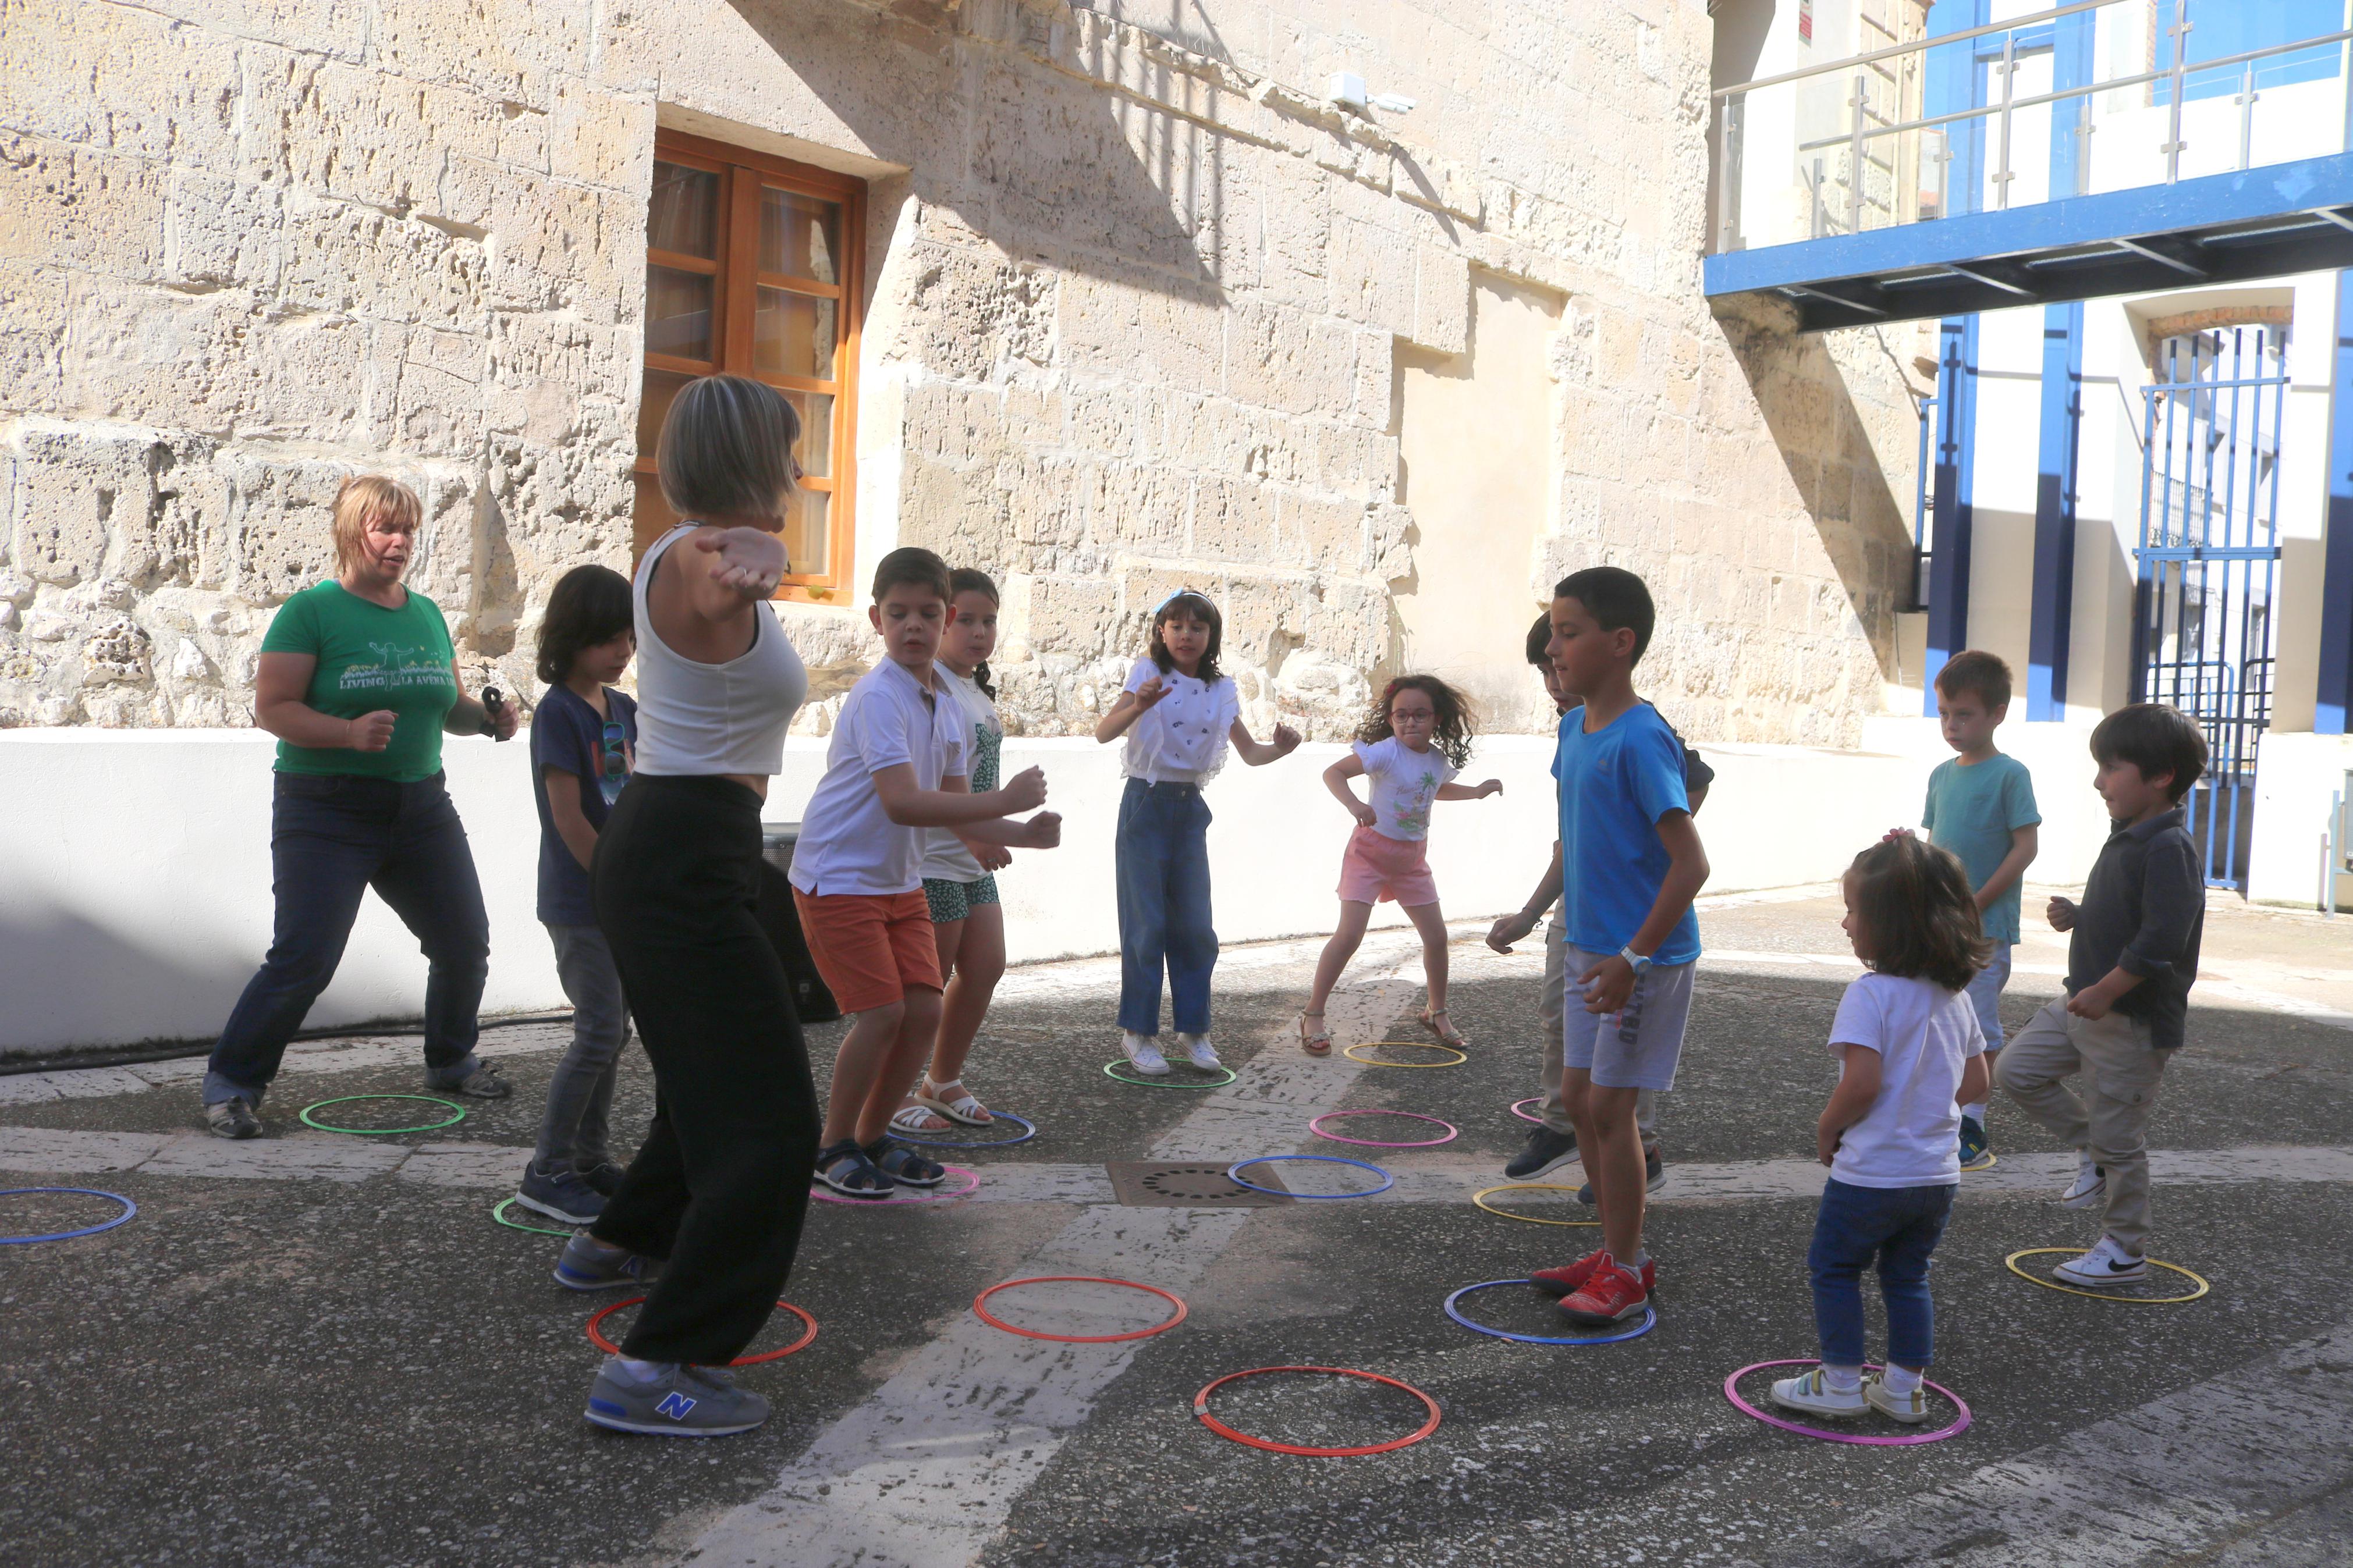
(383, 1131)
(1111, 1072)
(499, 1213)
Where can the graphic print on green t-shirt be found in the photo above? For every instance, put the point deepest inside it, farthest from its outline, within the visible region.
(371, 659)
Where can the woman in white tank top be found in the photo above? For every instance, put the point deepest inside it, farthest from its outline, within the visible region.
(719, 1189)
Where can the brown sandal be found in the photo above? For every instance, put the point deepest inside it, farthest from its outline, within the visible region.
(1445, 1033)
(1318, 1044)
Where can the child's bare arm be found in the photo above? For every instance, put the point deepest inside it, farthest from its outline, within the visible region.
(1513, 927)
(910, 805)
(1975, 1081)
(2024, 843)
(572, 823)
(1470, 791)
(1257, 754)
(1130, 706)
(1858, 1086)
(1335, 779)
(1042, 831)
(1613, 977)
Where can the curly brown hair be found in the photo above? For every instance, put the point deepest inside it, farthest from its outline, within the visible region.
(1917, 912)
(1451, 735)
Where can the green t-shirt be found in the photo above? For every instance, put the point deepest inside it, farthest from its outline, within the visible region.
(1971, 811)
(370, 658)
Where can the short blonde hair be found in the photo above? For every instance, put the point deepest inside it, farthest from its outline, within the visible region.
(362, 499)
(727, 447)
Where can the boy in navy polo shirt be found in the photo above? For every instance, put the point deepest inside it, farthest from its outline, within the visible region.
(1631, 864)
(584, 742)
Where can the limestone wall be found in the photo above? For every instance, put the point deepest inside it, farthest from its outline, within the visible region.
(1138, 300)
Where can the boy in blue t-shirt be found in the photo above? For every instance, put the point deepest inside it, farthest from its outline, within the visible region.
(1631, 864)
(1982, 807)
(584, 743)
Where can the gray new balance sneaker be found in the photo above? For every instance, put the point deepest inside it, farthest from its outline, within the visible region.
(588, 1264)
(681, 1401)
(483, 1083)
(232, 1118)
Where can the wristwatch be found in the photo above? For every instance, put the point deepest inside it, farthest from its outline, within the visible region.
(1635, 960)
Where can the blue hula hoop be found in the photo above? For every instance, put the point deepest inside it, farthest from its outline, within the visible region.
(1388, 1180)
(1650, 1320)
(129, 1208)
(1028, 1131)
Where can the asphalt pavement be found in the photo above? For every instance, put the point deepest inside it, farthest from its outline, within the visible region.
(322, 1349)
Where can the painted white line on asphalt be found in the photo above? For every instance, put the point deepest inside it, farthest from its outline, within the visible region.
(2166, 1482)
(351, 1053)
(927, 1470)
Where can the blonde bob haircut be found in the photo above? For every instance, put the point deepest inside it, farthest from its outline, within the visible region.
(727, 448)
(363, 498)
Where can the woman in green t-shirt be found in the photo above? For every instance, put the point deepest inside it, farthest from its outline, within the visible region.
(359, 682)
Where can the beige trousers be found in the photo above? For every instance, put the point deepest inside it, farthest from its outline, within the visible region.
(2110, 1121)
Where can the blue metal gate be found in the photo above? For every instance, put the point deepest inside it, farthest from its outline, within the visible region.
(2209, 556)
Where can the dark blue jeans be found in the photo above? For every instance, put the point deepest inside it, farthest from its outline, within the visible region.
(1163, 907)
(1901, 1225)
(330, 839)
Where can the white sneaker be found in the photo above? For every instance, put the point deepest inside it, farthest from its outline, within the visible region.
(2105, 1264)
(1199, 1052)
(1811, 1393)
(1143, 1054)
(2090, 1191)
(1909, 1408)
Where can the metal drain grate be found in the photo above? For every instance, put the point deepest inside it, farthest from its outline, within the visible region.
(1146, 1184)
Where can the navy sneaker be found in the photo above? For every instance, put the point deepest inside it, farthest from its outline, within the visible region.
(680, 1401)
(605, 1176)
(1547, 1150)
(560, 1192)
(1654, 1171)
(1976, 1154)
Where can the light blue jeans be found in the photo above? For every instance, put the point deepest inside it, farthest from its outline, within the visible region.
(1985, 994)
(1163, 862)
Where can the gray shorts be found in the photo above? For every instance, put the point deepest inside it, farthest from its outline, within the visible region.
(1635, 1048)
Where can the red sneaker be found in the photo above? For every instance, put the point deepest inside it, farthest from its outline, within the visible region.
(1569, 1279)
(1611, 1294)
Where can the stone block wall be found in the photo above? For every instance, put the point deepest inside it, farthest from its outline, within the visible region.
(1135, 294)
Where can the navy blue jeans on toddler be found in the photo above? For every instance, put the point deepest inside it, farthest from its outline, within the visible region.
(1900, 1227)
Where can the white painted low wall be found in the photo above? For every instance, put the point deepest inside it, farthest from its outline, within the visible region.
(135, 865)
(2295, 775)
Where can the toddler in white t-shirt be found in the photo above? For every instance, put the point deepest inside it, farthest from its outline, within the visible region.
(1417, 738)
(1913, 1054)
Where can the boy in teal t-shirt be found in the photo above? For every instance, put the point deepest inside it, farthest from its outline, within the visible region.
(1982, 807)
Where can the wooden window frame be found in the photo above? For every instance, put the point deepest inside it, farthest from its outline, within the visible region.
(736, 282)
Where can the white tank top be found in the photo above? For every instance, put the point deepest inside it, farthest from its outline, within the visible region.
(696, 718)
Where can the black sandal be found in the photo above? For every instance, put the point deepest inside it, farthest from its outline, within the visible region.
(897, 1163)
(845, 1168)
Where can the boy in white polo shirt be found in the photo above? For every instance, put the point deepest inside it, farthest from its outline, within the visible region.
(896, 766)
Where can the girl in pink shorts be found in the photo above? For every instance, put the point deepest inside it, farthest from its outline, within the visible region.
(1416, 740)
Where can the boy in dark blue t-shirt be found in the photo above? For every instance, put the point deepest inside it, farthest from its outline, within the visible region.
(1631, 864)
(582, 743)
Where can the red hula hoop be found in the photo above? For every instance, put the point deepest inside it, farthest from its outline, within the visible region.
(1860, 1440)
(597, 1336)
(981, 1312)
(1452, 1133)
(1201, 1409)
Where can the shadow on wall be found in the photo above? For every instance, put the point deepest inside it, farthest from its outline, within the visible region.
(51, 967)
(1825, 443)
(1044, 164)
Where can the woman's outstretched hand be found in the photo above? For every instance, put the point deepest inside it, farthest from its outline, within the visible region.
(749, 560)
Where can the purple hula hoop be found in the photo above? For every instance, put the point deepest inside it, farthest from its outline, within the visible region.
(1959, 1426)
(1452, 1133)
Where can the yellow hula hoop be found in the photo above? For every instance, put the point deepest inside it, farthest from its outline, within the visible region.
(1479, 1200)
(1350, 1052)
(2011, 1263)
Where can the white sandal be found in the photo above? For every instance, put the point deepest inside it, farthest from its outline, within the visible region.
(966, 1109)
(917, 1117)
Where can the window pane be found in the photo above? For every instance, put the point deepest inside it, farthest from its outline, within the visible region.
(798, 235)
(805, 520)
(677, 313)
(684, 214)
(816, 450)
(653, 408)
(792, 334)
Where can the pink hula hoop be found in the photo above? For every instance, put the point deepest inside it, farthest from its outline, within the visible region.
(934, 1194)
(1452, 1133)
(1910, 1439)
(1523, 1115)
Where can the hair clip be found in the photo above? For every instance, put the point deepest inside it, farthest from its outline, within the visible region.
(1180, 593)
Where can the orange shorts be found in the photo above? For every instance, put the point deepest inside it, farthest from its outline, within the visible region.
(870, 947)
